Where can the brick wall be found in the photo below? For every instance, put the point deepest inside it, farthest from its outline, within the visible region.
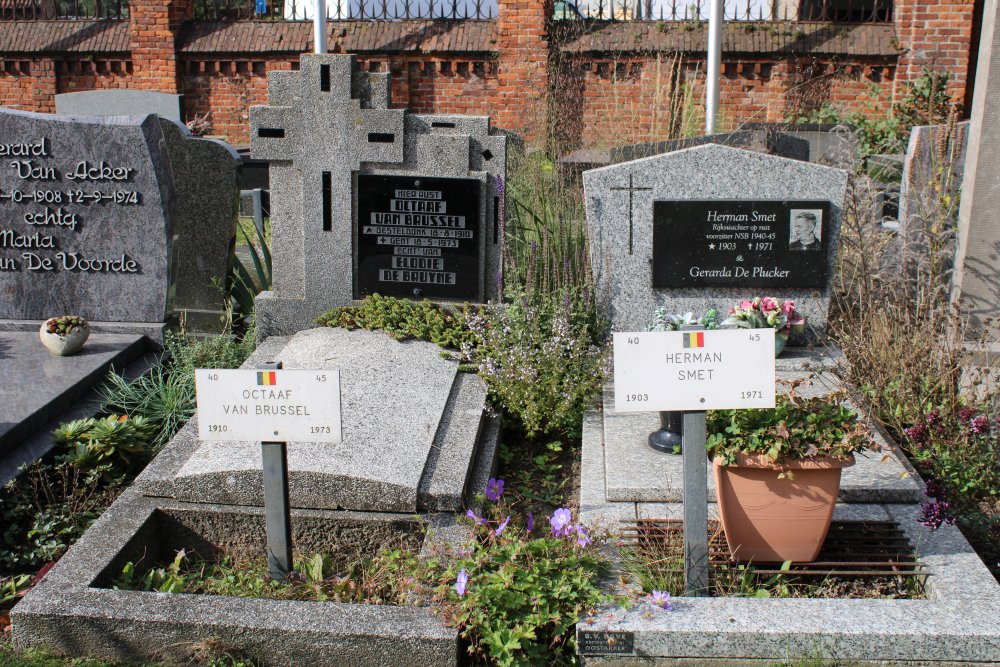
(610, 102)
(624, 81)
(523, 67)
(29, 85)
(935, 34)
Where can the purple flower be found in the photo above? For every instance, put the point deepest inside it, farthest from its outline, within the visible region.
(980, 425)
(475, 517)
(560, 521)
(494, 489)
(462, 581)
(531, 522)
(582, 539)
(502, 526)
(661, 599)
(935, 514)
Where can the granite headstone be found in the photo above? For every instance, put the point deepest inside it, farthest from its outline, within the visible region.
(705, 227)
(206, 176)
(368, 199)
(85, 218)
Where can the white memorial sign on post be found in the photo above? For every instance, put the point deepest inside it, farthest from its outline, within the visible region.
(694, 370)
(286, 405)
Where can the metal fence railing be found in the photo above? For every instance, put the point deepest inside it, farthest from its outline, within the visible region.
(29, 10)
(843, 11)
(847, 11)
(346, 10)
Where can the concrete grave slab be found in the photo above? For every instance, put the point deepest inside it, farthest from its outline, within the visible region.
(74, 611)
(411, 426)
(38, 386)
(621, 239)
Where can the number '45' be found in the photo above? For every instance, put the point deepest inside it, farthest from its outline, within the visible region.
(755, 336)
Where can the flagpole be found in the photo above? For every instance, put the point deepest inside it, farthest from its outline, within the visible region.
(319, 27)
(714, 72)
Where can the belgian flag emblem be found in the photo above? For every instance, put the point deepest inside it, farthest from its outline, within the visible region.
(694, 339)
(270, 378)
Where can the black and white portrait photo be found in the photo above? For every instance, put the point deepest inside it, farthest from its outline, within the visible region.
(805, 229)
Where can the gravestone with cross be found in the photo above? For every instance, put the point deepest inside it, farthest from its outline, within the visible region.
(366, 199)
(705, 227)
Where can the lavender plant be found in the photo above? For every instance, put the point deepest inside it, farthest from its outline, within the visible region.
(539, 362)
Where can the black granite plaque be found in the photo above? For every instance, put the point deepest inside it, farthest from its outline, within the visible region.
(770, 243)
(418, 237)
(605, 643)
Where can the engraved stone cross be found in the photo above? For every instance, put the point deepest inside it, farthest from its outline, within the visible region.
(630, 189)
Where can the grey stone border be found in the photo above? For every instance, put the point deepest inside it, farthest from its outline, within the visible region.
(67, 613)
(958, 623)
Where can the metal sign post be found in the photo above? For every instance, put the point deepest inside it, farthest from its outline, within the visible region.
(686, 373)
(277, 516)
(695, 501)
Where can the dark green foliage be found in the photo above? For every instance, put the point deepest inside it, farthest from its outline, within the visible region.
(114, 441)
(795, 428)
(404, 319)
(246, 283)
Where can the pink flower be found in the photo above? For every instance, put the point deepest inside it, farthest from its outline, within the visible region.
(746, 305)
(787, 308)
(768, 304)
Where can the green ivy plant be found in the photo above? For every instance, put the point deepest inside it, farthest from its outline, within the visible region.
(796, 428)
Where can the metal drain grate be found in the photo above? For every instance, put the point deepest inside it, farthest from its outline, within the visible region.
(858, 559)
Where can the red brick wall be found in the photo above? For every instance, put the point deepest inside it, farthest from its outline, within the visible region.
(935, 34)
(228, 88)
(604, 103)
(155, 25)
(523, 67)
(76, 75)
(29, 85)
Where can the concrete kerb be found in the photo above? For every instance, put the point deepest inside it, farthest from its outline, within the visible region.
(73, 612)
(958, 622)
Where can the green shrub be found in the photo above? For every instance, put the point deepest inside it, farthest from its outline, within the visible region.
(225, 351)
(404, 319)
(117, 442)
(539, 362)
(795, 428)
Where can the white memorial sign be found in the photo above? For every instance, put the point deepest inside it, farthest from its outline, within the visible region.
(284, 405)
(694, 370)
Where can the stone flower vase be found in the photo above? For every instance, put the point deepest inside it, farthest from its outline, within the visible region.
(767, 519)
(64, 344)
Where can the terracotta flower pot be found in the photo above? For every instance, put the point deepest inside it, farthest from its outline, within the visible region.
(767, 519)
(63, 345)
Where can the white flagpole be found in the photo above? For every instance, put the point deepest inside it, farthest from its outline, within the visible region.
(319, 27)
(715, 17)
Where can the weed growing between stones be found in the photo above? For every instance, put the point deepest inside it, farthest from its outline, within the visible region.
(384, 578)
(907, 352)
